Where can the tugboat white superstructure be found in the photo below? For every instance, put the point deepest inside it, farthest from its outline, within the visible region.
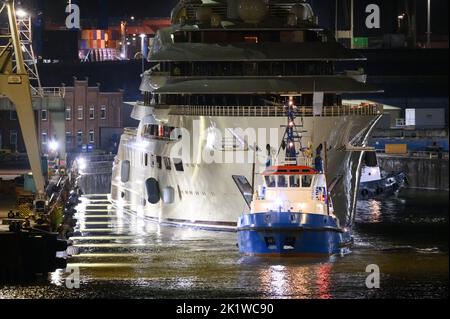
(292, 213)
(230, 67)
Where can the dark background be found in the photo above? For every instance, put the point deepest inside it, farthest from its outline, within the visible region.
(324, 9)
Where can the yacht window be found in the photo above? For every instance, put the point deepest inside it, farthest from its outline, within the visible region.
(294, 181)
(152, 161)
(270, 181)
(146, 159)
(282, 181)
(178, 164)
(159, 161)
(167, 163)
(307, 180)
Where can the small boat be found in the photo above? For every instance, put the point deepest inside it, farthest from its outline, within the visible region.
(376, 184)
(291, 213)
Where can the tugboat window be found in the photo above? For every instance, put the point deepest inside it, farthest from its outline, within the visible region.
(270, 181)
(306, 181)
(282, 181)
(294, 181)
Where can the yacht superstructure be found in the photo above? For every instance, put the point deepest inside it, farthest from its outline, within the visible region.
(220, 77)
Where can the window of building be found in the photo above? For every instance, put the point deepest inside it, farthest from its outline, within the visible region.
(92, 112)
(13, 138)
(103, 112)
(69, 138)
(146, 159)
(80, 137)
(44, 115)
(44, 138)
(68, 113)
(80, 112)
(91, 137)
(13, 115)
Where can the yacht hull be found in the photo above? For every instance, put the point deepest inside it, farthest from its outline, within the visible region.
(206, 196)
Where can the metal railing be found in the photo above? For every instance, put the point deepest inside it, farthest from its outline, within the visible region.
(130, 131)
(419, 154)
(274, 111)
(50, 92)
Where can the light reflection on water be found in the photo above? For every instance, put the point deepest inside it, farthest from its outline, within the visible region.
(125, 256)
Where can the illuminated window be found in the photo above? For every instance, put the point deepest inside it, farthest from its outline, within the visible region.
(92, 112)
(44, 115)
(91, 137)
(68, 113)
(80, 112)
(251, 39)
(103, 112)
(44, 138)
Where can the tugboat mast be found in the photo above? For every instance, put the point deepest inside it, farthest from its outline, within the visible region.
(292, 135)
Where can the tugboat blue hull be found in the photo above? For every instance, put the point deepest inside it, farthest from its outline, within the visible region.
(291, 234)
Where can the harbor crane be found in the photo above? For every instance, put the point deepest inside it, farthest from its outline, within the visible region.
(15, 85)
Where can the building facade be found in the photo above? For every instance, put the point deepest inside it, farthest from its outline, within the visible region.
(87, 112)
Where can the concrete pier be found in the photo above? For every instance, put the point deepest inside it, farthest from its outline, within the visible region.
(424, 172)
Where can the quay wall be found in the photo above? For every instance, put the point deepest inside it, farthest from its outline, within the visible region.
(423, 173)
(96, 177)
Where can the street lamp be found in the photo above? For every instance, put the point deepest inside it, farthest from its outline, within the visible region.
(429, 24)
(53, 146)
(400, 20)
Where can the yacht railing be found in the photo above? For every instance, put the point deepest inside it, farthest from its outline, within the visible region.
(130, 131)
(274, 111)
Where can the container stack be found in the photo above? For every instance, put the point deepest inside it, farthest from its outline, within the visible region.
(99, 45)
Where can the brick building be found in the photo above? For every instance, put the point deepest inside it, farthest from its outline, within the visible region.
(88, 112)
(10, 134)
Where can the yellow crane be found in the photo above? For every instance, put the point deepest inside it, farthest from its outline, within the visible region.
(15, 85)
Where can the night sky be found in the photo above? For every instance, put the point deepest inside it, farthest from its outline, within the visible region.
(55, 10)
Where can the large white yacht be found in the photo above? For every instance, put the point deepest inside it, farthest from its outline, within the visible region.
(223, 69)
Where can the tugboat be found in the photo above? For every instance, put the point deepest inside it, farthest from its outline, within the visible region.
(377, 184)
(292, 213)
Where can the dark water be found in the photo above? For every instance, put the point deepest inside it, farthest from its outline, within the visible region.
(124, 256)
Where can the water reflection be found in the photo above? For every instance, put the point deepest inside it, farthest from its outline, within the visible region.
(126, 255)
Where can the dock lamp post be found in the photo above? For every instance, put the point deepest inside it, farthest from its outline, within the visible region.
(429, 24)
(143, 50)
